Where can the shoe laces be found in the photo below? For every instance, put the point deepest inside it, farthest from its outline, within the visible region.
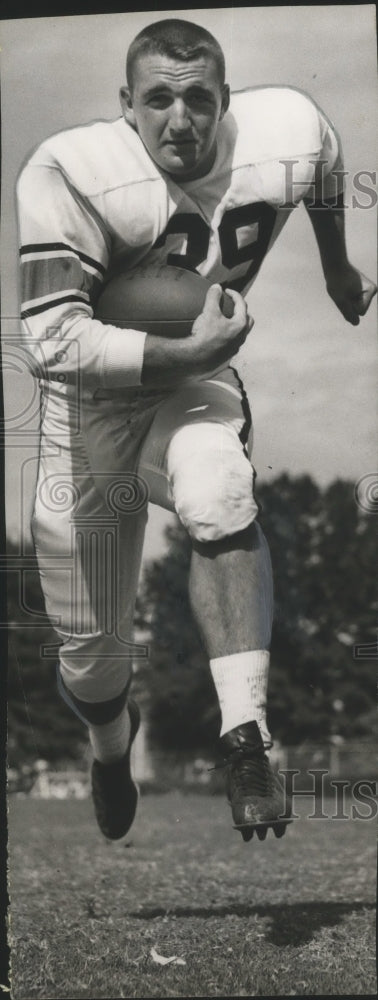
(249, 767)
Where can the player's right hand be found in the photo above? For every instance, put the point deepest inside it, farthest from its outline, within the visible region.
(216, 338)
(351, 291)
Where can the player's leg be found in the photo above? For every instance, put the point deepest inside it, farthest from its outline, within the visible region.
(202, 471)
(230, 584)
(211, 485)
(232, 601)
(231, 595)
(88, 527)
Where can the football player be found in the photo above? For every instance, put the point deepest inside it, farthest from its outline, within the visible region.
(195, 177)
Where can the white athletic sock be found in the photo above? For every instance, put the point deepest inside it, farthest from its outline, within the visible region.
(241, 682)
(110, 741)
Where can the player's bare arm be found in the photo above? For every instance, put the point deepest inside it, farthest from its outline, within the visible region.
(350, 290)
(215, 339)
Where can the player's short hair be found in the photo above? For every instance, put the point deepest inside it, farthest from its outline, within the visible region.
(178, 40)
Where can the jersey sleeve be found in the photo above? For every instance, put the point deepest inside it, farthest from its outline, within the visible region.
(64, 253)
(330, 175)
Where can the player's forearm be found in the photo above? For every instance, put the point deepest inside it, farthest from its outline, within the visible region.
(71, 345)
(329, 228)
(350, 290)
(166, 361)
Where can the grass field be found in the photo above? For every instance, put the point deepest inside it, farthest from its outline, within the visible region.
(282, 917)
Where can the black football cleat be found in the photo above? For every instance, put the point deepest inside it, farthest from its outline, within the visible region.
(255, 794)
(114, 793)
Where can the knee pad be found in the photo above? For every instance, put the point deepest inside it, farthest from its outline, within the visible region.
(94, 668)
(211, 481)
(92, 713)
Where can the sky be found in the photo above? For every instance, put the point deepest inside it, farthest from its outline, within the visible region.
(308, 374)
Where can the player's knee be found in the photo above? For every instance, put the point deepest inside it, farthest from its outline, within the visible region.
(211, 481)
(92, 666)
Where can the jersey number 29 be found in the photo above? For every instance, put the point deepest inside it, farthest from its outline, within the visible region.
(197, 232)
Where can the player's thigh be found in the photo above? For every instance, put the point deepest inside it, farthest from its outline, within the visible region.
(88, 530)
(221, 400)
(195, 458)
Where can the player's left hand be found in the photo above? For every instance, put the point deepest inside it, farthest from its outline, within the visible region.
(351, 291)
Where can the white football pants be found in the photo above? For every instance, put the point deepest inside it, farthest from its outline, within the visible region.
(103, 456)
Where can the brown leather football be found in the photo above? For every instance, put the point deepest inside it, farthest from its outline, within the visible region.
(162, 300)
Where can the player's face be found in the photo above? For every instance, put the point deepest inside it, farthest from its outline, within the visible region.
(176, 107)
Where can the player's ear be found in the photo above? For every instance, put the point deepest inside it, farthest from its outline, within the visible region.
(127, 106)
(225, 100)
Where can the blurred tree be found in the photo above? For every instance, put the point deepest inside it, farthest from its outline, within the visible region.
(40, 725)
(324, 566)
(333, 562)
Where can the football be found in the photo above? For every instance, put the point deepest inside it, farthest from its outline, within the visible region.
(163, 301)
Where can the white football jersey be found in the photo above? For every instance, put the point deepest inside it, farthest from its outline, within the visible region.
(92, 202)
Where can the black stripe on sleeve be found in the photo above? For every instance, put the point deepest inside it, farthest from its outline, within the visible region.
(34, 310)
(46, 247)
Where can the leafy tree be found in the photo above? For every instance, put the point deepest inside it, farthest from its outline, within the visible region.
(328, 689)
(40, 725)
